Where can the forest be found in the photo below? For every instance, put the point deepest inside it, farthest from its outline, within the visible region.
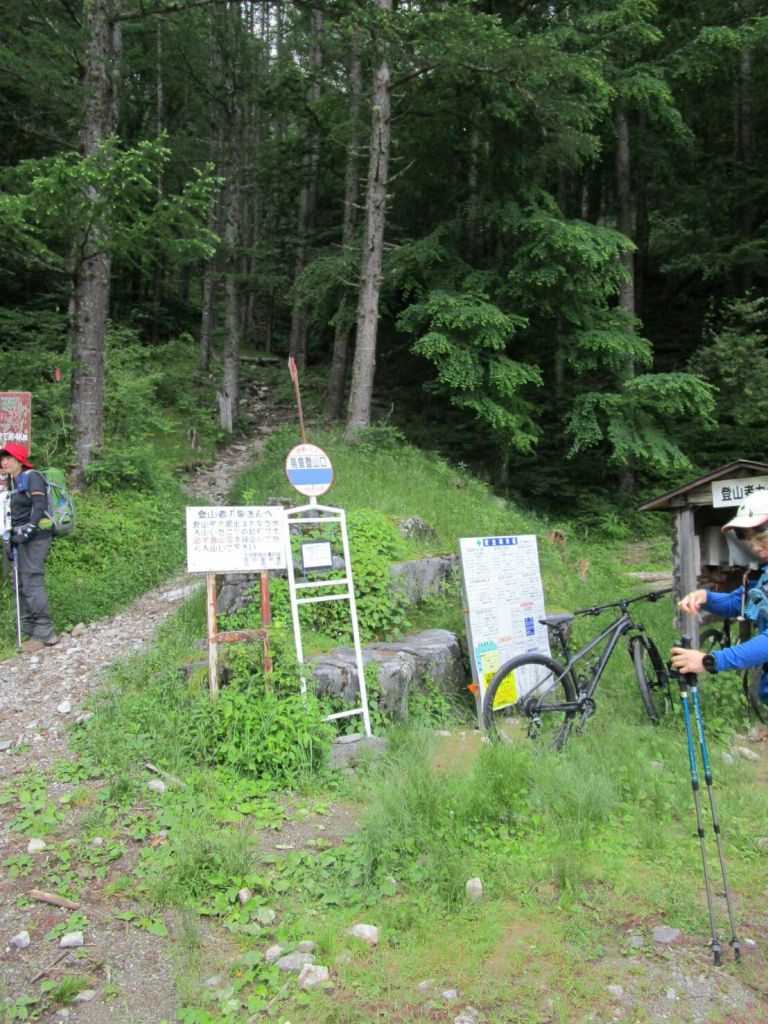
(531, 236)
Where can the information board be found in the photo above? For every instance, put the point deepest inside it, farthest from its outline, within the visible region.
(16, 417)
(236, 538)
(504, 602)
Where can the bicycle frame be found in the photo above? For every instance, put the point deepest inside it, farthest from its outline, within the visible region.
(612, 633)
(616, 630)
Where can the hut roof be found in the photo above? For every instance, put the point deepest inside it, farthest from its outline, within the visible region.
(677, 497)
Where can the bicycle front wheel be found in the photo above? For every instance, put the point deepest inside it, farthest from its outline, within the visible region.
(652, 677)
(533, 696)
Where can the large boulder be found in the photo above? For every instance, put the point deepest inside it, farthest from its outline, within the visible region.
(422, 577)
(433, 657)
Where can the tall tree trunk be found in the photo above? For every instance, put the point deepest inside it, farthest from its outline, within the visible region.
(624, 224)
(334, 398)
(229, 393)
(746, 155)
(297, 346)
(364, 364)
(624, 206)
(91, 272)
(210, 294)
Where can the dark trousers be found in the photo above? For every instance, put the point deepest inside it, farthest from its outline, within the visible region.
(35, 617)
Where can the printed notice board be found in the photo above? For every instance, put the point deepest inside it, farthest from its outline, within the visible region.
(236, 538)
(504, 602)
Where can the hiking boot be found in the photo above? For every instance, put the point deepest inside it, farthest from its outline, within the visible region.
(30, 646)
(52, 640)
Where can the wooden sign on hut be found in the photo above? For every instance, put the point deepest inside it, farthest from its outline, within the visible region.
(702, 555)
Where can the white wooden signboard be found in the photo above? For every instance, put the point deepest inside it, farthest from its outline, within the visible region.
(504, 602)
(733, 492)
(236, 538)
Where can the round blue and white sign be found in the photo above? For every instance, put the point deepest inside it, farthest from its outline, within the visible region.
(309, 470)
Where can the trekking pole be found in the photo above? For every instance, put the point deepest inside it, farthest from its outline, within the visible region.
(687, 681)
(734, 943)
(15, 558)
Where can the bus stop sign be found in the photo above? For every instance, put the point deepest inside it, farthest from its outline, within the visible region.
(309, 470)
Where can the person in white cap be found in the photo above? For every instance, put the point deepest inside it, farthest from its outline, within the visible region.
(750, 524)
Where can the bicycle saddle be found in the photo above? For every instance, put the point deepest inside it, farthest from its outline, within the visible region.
(558, 619)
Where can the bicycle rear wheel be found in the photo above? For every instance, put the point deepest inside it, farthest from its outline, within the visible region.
(750, 682)
(711, 640)
(526, 698)
(652, 677)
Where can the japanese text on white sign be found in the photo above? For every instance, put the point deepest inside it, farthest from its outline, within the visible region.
(505, 601)
(237, 538)
(733, 492)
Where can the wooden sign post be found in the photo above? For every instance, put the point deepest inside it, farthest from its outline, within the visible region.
(235, 539)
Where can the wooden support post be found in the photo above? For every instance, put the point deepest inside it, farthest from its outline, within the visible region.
(266, 619)
(213, 647)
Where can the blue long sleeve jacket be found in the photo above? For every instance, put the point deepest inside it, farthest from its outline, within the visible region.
(741, 656)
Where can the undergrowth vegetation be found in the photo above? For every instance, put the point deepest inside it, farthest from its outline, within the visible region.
(576, 851)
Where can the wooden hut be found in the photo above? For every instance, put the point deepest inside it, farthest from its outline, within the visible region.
(702, 555)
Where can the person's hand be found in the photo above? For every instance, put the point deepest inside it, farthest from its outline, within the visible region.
(685, 660)
(23, 533)
(691, 603)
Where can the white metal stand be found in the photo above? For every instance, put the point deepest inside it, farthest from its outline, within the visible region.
(342, 588)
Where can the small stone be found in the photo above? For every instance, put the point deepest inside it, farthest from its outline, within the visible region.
(616, 991)
(450, 995)
(762, 842)
(64, 708)
(156, 786)
(294, 961)
(306, 946)
(213, 982)
(63, 1014)
(636, 942)
(427, 985)
(390, 883)
(313, 976)
(5, 745)
(86, 996)
(750, 942)
(747, 754)
(728, 758)
(671, 995)
(469, 1015)
(20, 941)
(273, 953)
(78, 630)
(243, 896)
(72, 940)
(666, 934)
(96, 842)
(353, 737)
(86, 716)
(36, 846)
(368, 933)
(474, 889)
(284, 846)
(444, 732)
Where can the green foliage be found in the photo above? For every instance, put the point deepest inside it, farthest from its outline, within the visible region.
(466, 339)
(107, 199)
(734, 360)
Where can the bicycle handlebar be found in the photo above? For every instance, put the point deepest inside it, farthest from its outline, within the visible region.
(624, 602)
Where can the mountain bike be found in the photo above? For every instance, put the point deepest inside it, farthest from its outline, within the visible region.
(542, 698)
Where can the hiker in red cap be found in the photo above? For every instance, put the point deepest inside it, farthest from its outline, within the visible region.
(31, 545)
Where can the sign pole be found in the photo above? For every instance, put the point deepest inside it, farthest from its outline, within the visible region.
(213, 647)
(295, 378)
(266, 618)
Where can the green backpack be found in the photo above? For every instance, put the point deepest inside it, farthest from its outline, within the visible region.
(60, 513)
